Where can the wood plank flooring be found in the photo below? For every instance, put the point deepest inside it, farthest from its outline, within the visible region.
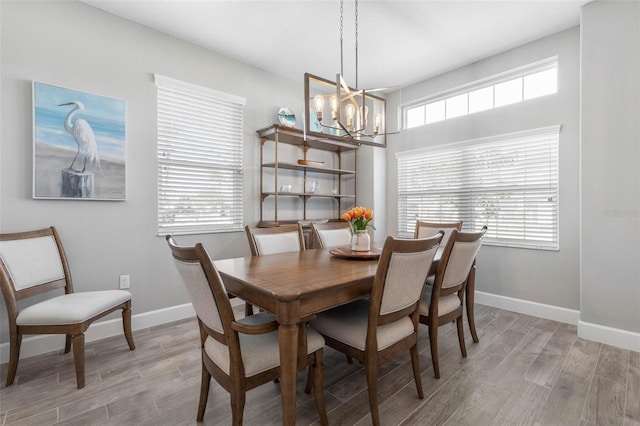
(525, 370)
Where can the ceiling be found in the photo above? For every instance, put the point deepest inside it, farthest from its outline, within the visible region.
(399, 42)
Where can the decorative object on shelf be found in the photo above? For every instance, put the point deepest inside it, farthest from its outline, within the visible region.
(355, 114)
(334, 191)
(286, 117)
(311, 186)
(359, 218)
(311, 163)
(285, 188)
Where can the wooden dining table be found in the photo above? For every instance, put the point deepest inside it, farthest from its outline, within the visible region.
(294, 286)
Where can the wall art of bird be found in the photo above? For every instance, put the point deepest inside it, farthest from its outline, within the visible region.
(82, 132)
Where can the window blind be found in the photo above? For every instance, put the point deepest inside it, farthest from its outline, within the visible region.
(200, 173)
(508, 182)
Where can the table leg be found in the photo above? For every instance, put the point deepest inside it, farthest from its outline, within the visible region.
(470, 294)
(288, 338)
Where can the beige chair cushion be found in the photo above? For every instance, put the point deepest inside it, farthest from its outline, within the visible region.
(71, 308)
(405, 280)
(460, 261)
(446, 303)
(348, 324)
(335, 237)
(427, 231)
(259, 352)
(200, 293)
(20, 256)
(277, 243)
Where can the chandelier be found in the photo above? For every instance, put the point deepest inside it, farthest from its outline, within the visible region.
(335, 108)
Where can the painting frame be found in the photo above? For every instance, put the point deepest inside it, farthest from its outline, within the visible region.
(79, 145)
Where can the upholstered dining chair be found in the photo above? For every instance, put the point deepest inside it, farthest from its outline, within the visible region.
(442, 303)
(273, 240)
(33, 263)
(332, 234)
(239, 354)
(378, 329)
(429, 229)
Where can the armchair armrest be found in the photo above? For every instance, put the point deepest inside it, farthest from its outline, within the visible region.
(254, 328)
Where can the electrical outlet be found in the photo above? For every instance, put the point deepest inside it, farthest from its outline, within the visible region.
(124, 281)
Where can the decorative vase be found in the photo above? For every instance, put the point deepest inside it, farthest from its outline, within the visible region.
(360, 241)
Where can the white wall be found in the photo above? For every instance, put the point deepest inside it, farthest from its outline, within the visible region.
(610, 167)
(546, 277)
(73, 45)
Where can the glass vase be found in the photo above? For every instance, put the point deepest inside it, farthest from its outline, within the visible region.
(360, 241)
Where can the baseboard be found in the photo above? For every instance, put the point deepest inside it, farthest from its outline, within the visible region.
(610, 336)
(555, 313)
(40, 344)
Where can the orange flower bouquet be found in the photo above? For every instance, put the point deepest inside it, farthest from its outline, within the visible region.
(359, 218)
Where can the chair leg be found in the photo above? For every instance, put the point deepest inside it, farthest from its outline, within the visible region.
(318, 387)
(238, 398)
(349, 360)
(126, 325)
(371, 368)
(67, 343)
(204, 392)
(470, 296)
(463, 348)
(433, 342)
(415, 362)
(15, 341)
(310, 379)
(248, 309)
(78, 358)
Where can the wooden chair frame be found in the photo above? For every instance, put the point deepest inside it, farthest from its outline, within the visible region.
(74, 332)
(236, 383)
(434, 320)
(254, 230)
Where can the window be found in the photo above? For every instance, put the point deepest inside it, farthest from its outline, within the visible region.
(509, 183)
(528, 82)
(199, 159)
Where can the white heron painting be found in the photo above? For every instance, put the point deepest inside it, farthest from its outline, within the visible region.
(79, 144)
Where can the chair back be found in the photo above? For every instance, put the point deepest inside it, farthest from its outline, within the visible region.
(332, 234)
(205, 287)
(32, 262)
(278, 239)
(402, 272)
(429, 229)
(456, 261)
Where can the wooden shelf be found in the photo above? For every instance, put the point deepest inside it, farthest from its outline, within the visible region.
(297, 137)
(315, 169)
(306, 194)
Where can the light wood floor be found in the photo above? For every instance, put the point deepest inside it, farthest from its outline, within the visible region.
(525, 370)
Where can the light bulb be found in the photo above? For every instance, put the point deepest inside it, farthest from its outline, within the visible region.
(364, 114)
(318, 100)
(333, 100)
(350, 110)
(377, 123)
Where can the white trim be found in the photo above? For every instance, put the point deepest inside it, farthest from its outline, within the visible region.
(610, 336)
(555, 313)
(43, 343)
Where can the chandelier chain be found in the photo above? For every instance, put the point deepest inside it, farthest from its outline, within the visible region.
(357, 44)
(341, 28)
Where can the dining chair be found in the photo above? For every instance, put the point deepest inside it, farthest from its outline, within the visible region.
(239, 354)
(428, 229)
(273, 240)
(33, 263)
(378, 329)
(332, 234)
(442, 302)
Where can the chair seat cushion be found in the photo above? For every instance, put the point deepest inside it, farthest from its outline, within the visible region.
(348, 324)
(72, 308)
(260, 352)
(446, 303)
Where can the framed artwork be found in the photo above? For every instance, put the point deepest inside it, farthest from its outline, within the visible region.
(79, 145)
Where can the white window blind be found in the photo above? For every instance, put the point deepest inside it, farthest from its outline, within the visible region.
(200, 133)
(509, 183)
